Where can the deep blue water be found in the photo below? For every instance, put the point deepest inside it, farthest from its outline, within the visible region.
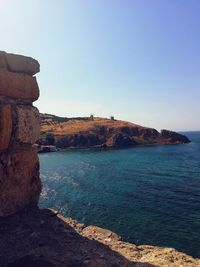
(147, 194)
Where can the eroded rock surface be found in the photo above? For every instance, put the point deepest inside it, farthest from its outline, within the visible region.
(49, 239)
(20, 184)
(19, 180)
(18, 85)
(28, 129)
(5, 126)
(19, 63)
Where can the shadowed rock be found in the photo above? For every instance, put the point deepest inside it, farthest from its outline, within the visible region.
(20, 184)
(45, 238)
(5, 126)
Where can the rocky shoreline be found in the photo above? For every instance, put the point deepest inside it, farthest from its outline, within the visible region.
(45, 238)
(32, 237)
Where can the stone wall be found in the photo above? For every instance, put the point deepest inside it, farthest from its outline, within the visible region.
(20, 184)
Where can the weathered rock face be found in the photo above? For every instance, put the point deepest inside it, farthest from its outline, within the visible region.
(78, 140)
(18, 85)
(20, 185)
(18, 63)
(51, 240)
(19, 179)
(5, 126)
(121, 140)
(174, 137)
(28, 129)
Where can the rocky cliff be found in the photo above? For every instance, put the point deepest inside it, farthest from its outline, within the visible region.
(19, 129)
(32, 237)
(100, 132)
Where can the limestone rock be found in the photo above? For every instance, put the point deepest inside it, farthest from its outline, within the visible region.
(20, 185)
(18, 63)
(18, 85)
(28, 128)
(5, 126)
(143, 254)
(100, 234)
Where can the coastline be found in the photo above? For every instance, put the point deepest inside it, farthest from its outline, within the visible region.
(101, 148)
(101, 133)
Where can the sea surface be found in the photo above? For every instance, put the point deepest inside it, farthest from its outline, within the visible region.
(146, 194)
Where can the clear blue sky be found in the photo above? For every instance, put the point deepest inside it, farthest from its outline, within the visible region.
(138, 60)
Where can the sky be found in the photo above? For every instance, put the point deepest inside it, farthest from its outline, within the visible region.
(138, 60)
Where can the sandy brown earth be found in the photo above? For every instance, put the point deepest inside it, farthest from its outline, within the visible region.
(83, 126)
(44, 238)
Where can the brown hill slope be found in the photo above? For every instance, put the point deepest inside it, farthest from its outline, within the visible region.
(101, 132)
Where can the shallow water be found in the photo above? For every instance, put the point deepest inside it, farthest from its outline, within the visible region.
(147, 194)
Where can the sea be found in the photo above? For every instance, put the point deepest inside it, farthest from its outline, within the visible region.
(147, 194)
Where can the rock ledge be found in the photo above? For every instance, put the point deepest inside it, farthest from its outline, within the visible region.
(49, 239)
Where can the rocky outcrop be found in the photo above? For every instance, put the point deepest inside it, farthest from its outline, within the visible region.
(51, 240)
(100, 132)
(19, 129)
(173, 137)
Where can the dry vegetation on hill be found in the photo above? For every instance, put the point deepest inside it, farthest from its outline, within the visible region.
(100, 132)
(74, 126)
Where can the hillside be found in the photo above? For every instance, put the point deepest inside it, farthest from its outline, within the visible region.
(100, 132)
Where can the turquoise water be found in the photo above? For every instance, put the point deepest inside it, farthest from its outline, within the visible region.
(148, 195)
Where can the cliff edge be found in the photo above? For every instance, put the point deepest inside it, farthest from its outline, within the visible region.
(44, 238)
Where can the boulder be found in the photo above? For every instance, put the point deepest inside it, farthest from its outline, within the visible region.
(5, 126)
(18, 85)
(18, 63)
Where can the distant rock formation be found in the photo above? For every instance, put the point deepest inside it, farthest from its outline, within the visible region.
(99, 132)
(19, 129)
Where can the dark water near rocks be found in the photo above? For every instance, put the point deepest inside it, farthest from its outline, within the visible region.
(148, 195)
